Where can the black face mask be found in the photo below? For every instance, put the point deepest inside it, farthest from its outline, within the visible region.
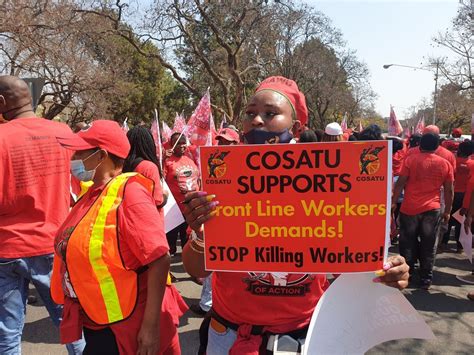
(258, 136)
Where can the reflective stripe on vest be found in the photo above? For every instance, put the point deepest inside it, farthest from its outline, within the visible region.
(106, 290)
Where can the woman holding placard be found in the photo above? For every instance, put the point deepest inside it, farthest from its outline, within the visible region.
(245, 319)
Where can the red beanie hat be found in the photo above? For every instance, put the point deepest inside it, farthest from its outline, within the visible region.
(288, 89)
(457, 132)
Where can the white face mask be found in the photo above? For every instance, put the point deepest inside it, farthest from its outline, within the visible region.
(78, 169)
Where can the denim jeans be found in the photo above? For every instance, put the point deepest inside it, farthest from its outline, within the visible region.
(220, 343)
(206, 294)
(15, 276)
(423, 226)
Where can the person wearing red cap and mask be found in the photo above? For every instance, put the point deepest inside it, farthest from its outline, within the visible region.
(239, 316)
(112, 258)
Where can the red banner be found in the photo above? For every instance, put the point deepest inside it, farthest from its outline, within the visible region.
(200, 122)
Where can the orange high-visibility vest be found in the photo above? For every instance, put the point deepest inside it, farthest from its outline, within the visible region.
(106, 290)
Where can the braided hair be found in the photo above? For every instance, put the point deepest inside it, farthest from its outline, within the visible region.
(142, 147)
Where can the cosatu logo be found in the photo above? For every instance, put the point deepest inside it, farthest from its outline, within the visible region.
(369, 162)
(216, 166)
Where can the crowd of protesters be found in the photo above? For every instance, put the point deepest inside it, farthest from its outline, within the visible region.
(82, 220)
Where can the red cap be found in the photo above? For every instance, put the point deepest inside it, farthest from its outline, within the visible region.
(457, 132)
(228, 134)
(289, 89)
(431, 129)
(103, 134)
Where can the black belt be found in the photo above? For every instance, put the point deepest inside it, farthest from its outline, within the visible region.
(259, 329)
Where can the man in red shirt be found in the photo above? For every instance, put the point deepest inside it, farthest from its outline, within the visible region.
(34, 201)
(182, 176)
(422, 176)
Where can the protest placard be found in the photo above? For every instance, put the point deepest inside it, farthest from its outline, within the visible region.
(303, 208)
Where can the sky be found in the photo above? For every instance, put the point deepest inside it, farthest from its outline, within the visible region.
(399, 32)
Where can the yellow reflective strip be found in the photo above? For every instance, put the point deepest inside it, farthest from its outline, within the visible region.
(106, 281)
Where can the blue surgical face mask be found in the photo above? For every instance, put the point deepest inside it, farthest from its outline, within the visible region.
(258, 136)
(78, 169)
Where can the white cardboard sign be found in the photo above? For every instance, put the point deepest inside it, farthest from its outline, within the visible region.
(173, 215)
(355, 314)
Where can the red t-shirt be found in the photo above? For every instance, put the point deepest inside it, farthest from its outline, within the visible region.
(282, 302)
(397, 161)
(426, 173)
(182, 176)
(469, 185)
(461, 175)
(142, 240)
(150, 170)
(34, 186)
(441, 151)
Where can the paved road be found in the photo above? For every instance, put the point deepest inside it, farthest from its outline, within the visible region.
(445, 308)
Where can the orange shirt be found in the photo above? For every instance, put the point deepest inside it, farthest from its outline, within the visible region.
(426, 173)
(34, 186)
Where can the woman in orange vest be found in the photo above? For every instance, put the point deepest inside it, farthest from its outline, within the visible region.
(112, 255)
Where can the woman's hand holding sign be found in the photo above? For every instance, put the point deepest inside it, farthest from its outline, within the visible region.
(199, 209)
(394, 272)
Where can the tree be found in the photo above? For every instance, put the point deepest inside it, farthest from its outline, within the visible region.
(454, 108)
(88, 73)
(227, 46)
(460, 41)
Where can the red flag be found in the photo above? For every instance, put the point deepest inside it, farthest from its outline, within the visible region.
(199, 125)
(166, 132)
(394, 126)
(420, 127)
(361, 128)
(406, 133)
(344, 123)
(179, 124)
(211, 138)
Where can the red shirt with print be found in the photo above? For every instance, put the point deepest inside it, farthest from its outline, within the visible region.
(282, 302)
(150, 170)
(142, 240)
(426, 173)
(182, 176)
(34, 186)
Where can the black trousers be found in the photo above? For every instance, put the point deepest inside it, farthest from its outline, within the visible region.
(172, 237)
(418, 239)
(457, 204)
(100, 342)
